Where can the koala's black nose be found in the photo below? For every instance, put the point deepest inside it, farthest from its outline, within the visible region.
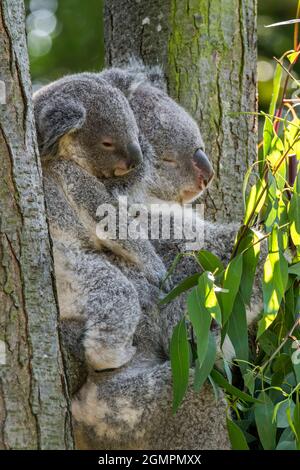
(135, 155)
(203, 166)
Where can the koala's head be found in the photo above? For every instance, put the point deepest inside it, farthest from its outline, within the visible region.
(90, 122)
(181, 168)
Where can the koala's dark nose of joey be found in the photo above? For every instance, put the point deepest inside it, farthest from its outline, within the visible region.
(203, 168)
(134, 158)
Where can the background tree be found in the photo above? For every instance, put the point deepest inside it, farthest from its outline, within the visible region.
(33, 396)
(208, 51)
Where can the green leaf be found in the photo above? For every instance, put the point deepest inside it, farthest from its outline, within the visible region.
(296, 420)
(200, 318)
(293, 56)
(276, 89)
(249, 381)
(185, 285)
(234, 391)
(232, 279)
(255, 200)
(296, 366)
(201, 373)
(281, 418)
(294, 269)
(250, 248)
(270, 215)
(180, 361)
(210, 262)
(238, 331)
(294, 213)
(236, 436)
(274, 282)
(268, 126)
(286, 441)
(286, 445)
(266, 428)
(274, 156)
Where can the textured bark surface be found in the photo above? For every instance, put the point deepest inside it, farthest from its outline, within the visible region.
(207, 49)
(33, 396)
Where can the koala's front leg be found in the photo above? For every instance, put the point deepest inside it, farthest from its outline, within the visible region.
(99, 308)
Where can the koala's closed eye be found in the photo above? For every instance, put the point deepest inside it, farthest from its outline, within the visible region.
(107, 143)
(169, 162)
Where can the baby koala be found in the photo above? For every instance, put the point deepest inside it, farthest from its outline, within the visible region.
(89, 145)
(89, 122)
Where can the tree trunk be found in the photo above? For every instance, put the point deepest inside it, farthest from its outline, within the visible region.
(34, 412)
(208, 52)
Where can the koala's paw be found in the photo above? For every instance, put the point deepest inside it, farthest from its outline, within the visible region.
(100, 356)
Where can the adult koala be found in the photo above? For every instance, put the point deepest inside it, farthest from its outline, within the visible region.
(108, 291)
(130, 407)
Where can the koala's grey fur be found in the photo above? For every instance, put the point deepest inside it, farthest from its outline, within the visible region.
(110, 317)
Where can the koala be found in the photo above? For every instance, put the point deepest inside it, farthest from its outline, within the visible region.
(116, 336)
(87, 134)
(130, 406)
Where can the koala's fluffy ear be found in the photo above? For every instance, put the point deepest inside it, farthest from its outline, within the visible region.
(56, 119)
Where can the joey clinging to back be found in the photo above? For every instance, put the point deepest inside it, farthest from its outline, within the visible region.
(89, 122)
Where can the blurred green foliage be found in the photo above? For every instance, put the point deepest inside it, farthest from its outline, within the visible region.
(273, 42)
(64, 36)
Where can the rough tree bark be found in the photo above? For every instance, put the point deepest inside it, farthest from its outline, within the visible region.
(208, 51)
(33, 394)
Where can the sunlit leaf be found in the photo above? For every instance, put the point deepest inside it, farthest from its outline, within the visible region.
(275, 155)
(293, 56)
(274, 282)
(294, 212)
(255, 200)
(291, 133)
(268, 126)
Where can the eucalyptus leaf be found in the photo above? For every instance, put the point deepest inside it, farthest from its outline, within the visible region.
(236, 436)
(180, 360)
(266, 427)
